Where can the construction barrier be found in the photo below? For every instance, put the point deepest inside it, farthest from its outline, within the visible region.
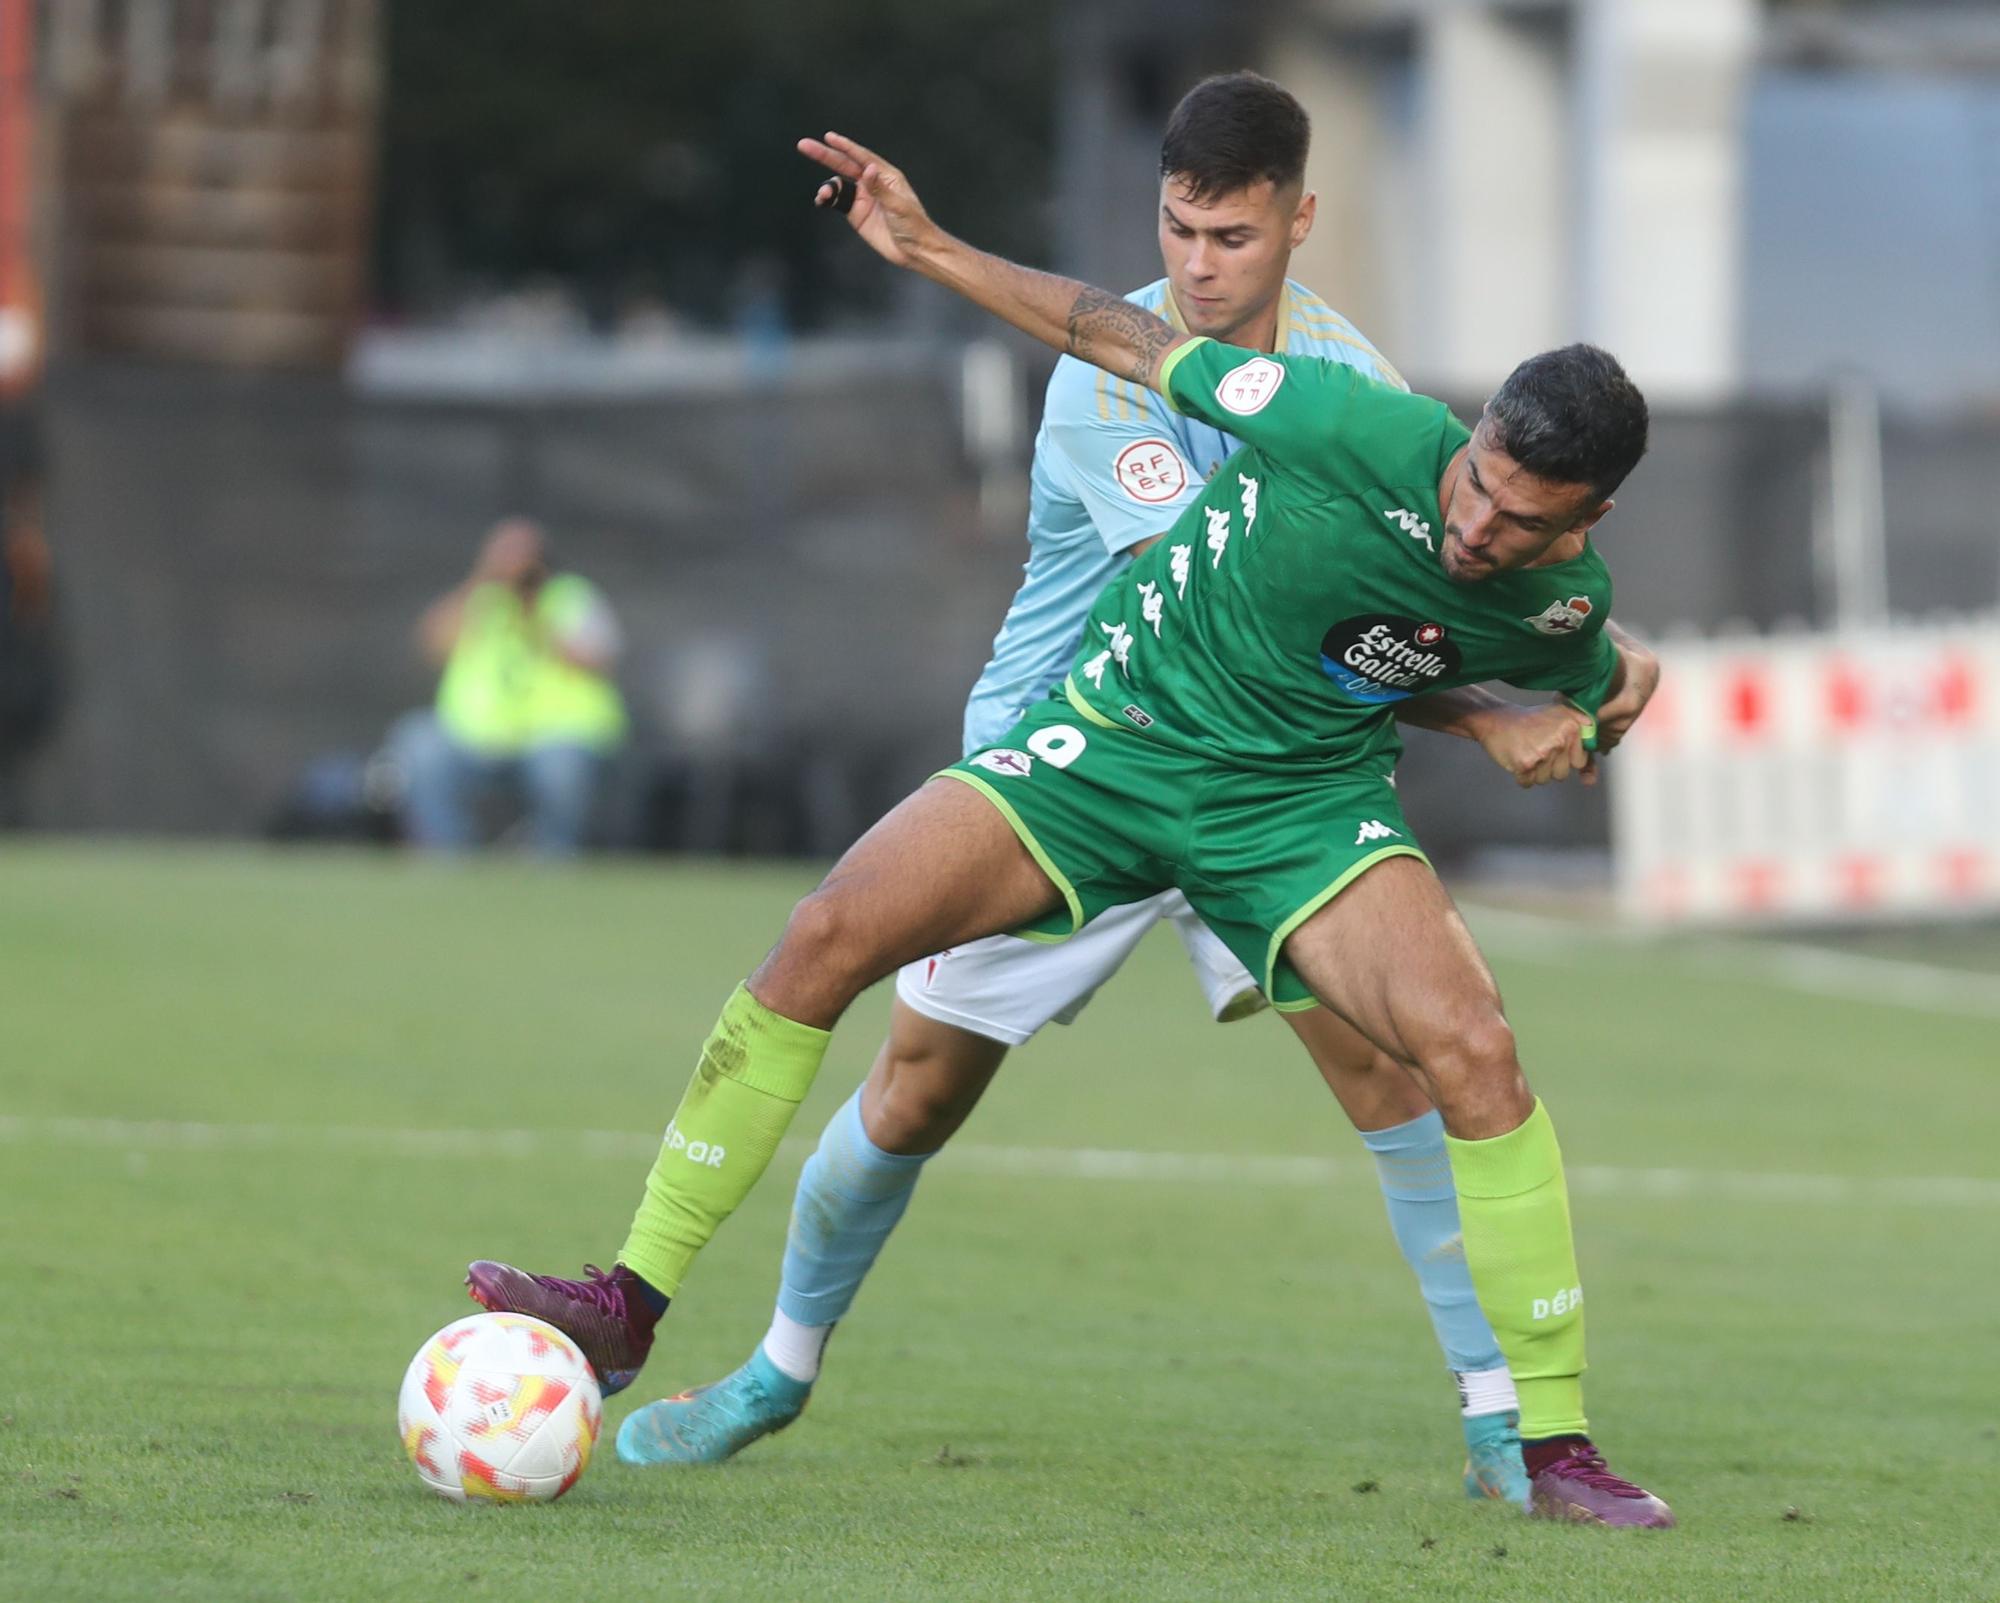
(1815, 777)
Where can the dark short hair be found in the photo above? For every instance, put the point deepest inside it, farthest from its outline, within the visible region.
(1571, 416)
(1234, 130)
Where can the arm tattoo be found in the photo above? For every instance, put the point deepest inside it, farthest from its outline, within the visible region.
(1131, 339)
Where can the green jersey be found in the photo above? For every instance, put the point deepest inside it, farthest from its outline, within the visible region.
(1289, 609)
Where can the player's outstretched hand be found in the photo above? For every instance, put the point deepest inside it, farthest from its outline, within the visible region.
(1541, 745)
(885, 210)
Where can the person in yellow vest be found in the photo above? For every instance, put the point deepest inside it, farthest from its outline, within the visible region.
(526, 700)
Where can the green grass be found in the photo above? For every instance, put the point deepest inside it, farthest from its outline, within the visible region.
(1052, 1388)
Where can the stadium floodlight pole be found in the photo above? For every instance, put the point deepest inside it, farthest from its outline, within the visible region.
(1090, 324)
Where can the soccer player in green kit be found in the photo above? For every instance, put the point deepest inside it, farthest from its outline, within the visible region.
(1227, 729)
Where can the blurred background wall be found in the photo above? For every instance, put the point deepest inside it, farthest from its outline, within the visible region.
(332, 284)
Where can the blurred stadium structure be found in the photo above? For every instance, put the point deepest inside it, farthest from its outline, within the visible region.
(1785, 216)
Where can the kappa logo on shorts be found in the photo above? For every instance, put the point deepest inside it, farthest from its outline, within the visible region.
(1151, 470)
(1375, 829)
(1249, 388)
(934, 964)
(1561, 617)
(1004, 760)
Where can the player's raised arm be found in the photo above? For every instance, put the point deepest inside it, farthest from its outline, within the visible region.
(1090, 324)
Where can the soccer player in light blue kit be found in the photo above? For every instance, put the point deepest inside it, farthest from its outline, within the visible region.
(1113, 468)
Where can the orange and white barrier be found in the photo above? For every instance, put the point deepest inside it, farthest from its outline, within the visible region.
(1804, 777)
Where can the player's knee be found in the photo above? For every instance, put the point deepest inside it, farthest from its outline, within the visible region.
(1471, 1053)
(824, 933)
(1476, 1080)
(928, 1078)
(917, 1113)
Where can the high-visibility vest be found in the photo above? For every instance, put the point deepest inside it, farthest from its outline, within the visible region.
(506, 686)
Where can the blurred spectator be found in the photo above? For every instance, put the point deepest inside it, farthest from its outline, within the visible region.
(759, 315)
(28, 671)
(526, 703)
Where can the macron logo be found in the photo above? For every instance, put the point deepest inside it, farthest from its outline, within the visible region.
(1374, 829)
(1412, 525)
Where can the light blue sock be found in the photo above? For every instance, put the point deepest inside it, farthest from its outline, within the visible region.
(851, 1193)
(1415, 1172)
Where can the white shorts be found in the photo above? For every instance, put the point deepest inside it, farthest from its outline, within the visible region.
(1006, 988)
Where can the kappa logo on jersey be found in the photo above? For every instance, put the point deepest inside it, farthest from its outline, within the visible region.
(1151, 471)
(1118, 649)
(1004, 760)
(1152, 606)
(1249, 388)
(1412, 525)
(1561, 617)
(1218, 532)
(1375, 829)
(1379, 657)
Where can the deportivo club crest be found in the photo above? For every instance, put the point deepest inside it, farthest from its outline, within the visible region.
(1561, 617)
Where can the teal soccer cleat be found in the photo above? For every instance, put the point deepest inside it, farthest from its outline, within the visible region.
(1493, 1467)
(716, 1422)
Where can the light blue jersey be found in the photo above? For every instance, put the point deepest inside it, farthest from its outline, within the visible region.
(1115, 465)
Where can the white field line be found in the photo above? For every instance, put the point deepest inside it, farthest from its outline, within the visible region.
(1049, 1163)
(1814, 970)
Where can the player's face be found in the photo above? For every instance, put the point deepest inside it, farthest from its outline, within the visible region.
(1498, 516)
(1226, 257)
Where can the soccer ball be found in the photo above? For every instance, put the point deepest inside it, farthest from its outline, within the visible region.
(499, 1408)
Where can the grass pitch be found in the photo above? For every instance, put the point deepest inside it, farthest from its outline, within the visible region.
(252, 1116)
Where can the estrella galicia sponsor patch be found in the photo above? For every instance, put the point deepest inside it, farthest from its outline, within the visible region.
(1004, 760)
(1381, 657)
(1561, 617)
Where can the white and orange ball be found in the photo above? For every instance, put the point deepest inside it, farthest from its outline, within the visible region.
(499, 1408)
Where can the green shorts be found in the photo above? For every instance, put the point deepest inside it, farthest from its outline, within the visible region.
(1113, 816)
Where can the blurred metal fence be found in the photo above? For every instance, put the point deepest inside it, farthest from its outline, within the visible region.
(799, 564)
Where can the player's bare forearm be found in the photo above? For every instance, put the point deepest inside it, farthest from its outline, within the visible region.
(1090, 324)
(1638, 676)
(1467, 711)
(1534, 745)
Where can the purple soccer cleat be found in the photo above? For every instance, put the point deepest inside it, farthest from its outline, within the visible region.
(1568, 1480)
(605, 1315)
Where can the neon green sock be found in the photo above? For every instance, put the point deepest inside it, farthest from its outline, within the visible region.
(755, 1070)
(1513, 1208)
